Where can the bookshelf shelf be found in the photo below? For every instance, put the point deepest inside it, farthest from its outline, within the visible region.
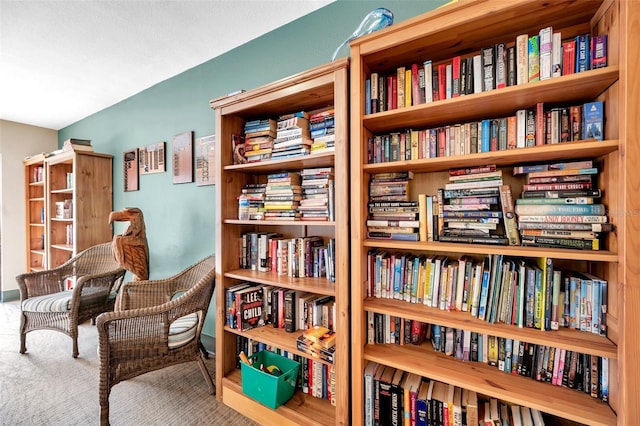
(462, 29)
(313, 285)
(496, 103)
(516, 251)
(563, 151)
(569, 339)
(320, 87)
(301, 409)
(557, 400)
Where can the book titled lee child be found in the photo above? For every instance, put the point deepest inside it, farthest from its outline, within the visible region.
(249, 306)
(593, 116)
(583, 55)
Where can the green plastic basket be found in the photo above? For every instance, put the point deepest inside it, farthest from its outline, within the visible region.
(269, 390)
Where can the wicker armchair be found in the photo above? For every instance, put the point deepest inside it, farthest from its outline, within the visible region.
(155, 324)
(45, 304)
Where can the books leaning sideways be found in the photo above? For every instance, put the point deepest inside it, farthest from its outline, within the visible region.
(561, 206)
(322, 130)
(282, 196)
(292, 136)
(72, 144)
(258, 139)
(392, 216)
(470, 207)
(319, 342)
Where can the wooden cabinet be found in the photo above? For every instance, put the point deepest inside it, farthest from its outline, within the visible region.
(68, 208)
(463, 29)
(319, 87)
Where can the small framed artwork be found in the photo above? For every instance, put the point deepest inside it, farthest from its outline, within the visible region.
(130, 170)
(182, 145)
(205, 160)
(151, 158)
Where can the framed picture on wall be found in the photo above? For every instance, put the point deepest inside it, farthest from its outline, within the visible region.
(151, 158)
(130, 170)
(205, 160)
(182, 146)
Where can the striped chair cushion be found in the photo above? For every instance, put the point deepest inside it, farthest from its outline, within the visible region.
(60, 302)
(182, 330)
(56, 302)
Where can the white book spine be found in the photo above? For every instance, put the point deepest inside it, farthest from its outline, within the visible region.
(522, 59)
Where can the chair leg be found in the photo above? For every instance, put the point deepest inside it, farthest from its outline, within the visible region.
(203, 350)
(104, 414)
(207, 377)
(23, 334)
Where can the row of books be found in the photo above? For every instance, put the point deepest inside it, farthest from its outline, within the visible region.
(559, 207)
(250, 305)
(526, 128)
(37, 174)
(315, 379)
(290, 135)
(392, 396)
(526, 60)
(296, 257)
(496, 289)
(558, 366)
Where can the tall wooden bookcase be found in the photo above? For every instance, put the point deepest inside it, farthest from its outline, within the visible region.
(316, 88)
(84, 181)
(463, 28)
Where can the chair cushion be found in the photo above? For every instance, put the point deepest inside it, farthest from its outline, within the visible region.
(182, 330)
(55, 302)
(61, 301)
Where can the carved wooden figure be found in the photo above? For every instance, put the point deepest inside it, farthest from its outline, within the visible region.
(130, 248)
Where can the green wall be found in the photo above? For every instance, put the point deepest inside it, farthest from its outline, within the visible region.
(180, 218)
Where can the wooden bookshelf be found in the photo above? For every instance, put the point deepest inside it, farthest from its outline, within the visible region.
(316, 88)
(84, 178)
(463, 28)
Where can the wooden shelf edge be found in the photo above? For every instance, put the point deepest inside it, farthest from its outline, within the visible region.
(314, 285)
(544, 153)
(281, 222)
(555, 400)
(306, 161)
(65, 247)
(580, 341)
(516, 251)
(299, 410)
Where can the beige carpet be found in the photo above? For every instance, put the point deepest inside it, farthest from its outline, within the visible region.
(47, 386)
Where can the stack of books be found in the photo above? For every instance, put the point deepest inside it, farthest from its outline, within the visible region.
(317, 194)
(255, 192)
(258, 139)
(319, 342)
(470, 208)
(282, 196)
(292, 137)
(560, 206)
(322, 127)
(391, 214)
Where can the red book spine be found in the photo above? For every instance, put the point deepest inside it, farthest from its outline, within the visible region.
(568, 57)
(541, 132)
(442, 81)
(455, 76)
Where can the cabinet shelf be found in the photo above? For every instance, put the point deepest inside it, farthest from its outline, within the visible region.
(314, 285)
(580, 341)
(38, 199)
(558, 152)
(578, 87)
(301, 409)
(516, 251)
(65, 247)
(275, 337)
(307, 161)
(280, 222)
(37, 225)
(62, 191)
(557, 400)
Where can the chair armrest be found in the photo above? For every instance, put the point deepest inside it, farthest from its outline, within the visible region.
(39, 283)
(97, 284)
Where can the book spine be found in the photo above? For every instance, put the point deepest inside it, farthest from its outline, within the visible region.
(510, 222)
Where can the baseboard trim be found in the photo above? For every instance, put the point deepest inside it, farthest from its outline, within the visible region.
(10, 296)
(209, 343)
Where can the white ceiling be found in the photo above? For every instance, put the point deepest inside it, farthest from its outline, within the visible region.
(63, 60)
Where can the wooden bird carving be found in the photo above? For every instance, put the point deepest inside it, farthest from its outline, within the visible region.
(130, 248)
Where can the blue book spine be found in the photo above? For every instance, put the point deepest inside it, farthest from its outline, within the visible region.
(593, 117)
(530, 297)
(485, 136)
(484, 292)
(583, 56)
(398, 266)
(367, 96)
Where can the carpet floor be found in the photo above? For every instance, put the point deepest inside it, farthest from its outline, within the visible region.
(47, 386)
